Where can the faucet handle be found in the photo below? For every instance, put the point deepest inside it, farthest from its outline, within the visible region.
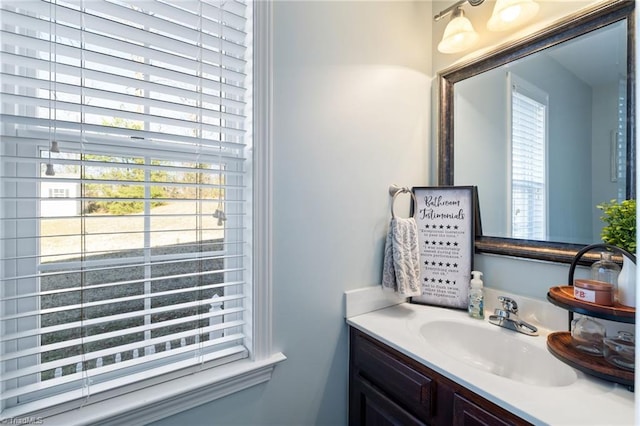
(508, 304)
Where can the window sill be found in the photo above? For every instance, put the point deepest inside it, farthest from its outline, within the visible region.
(165, 399)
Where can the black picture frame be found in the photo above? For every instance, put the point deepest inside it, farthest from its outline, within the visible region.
(447, 218)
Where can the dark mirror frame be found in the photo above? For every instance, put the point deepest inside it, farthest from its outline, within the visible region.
(573, 26)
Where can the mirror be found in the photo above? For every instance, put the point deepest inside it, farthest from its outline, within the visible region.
(544, 128)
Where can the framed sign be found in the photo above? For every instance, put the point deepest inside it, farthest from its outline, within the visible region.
(446, 217)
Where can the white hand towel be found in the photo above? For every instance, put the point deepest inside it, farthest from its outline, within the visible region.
(401, 267)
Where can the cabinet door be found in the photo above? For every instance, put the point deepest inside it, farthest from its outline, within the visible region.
(371, 407)
(467, 413)
(401, 382)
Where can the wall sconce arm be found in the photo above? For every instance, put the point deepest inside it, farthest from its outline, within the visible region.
(453, 7)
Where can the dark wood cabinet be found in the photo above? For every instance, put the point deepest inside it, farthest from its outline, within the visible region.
(378, 409)
(388, 388)
(467, 413)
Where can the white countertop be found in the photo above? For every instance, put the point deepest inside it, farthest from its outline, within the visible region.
(586, 401)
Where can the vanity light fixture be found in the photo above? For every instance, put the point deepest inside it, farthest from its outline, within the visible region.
(509, 14)
(459, 34)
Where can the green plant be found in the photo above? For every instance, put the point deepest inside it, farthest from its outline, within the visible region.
(620, 220)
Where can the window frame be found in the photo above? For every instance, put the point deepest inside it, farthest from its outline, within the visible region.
(171, 393)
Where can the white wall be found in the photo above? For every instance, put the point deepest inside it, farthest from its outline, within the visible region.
(352, 114)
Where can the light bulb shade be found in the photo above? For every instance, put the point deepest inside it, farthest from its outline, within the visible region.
(508, 14)
(54, 147)
(459, 34)
(49, 171)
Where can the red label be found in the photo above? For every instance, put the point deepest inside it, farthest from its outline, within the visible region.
(583, 294)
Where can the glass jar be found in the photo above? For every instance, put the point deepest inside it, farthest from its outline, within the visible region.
(621, 350)
(606, 270)
(587, 335)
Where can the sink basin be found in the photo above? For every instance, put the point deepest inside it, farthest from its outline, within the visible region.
(498, 351)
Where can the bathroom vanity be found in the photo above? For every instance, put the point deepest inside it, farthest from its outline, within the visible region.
(387, 387)
(415, 364)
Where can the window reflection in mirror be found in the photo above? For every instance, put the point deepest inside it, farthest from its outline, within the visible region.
(527, 188)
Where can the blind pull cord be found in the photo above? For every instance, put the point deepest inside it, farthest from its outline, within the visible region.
(219, 213)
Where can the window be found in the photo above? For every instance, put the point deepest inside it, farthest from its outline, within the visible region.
(138, 112)
(528, 138)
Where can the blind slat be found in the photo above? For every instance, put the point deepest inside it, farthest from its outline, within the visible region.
(180, 15)
(123, 182)
(52, 329)
(224, 152)
(183, 37)
(28, 101)
(105, 32)
(167, 81)
(117, 317)
(88, 253)
(131, 330)
(104, 302)
(137, 135)
(161, 167)
(26, 389)
(62, 291)
(45, 85)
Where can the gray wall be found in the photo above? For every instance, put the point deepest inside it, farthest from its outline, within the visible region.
(352, 114)
(481, 152)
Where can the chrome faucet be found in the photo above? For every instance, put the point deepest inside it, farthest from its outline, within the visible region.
(507, 317)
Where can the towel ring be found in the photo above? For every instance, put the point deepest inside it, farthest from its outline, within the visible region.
(398, 192)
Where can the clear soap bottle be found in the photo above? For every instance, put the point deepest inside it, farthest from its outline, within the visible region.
(476, 295)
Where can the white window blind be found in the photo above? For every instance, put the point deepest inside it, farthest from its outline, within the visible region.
(137, 112)
(528, 160)
(620, 143)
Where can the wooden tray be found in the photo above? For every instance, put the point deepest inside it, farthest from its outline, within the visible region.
(559, 344)
(563, 296)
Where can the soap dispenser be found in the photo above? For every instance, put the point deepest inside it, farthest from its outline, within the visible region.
(476, 296)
